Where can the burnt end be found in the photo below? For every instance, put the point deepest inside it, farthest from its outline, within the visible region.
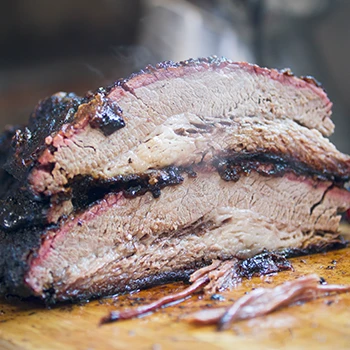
(287, 72)
(107, 117)
(28, 143)
(263, 264)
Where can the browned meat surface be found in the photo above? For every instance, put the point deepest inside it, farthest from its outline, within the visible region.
(148, 180)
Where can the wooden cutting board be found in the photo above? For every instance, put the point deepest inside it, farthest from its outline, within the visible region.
(320, 324)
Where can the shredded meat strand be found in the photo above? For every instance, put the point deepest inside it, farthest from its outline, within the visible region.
(263, 301)
(205, 270)
(218, 276)
(223, 277)
(199, 279)
(137, 312)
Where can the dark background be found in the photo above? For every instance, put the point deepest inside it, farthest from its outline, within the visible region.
(49, 46)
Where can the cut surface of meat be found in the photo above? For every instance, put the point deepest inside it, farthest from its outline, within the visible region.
(184, 140)
(236, 148)
(137, 107)
(162, 173)
(121, 240)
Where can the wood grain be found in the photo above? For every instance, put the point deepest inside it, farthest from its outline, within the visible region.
(321, 324)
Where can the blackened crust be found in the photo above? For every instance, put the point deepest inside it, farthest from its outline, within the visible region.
(6, 180)
(48, 117)
(20, 209)
(5, 142)
(132, 286)
(232, 166)
(15, 252)
(263, 264)
(107, 117)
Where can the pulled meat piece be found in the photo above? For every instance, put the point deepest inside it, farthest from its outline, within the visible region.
(223, 277)
(229, 274)
(263, 301)
(220, 275)
(145, 309)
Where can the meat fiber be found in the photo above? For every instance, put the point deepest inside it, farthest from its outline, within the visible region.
(259, 302)
(263, 301)
(151, 108)
(160, 174)
(217, 276)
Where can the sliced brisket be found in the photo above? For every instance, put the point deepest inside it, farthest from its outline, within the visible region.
(161, 100)
(162, 173)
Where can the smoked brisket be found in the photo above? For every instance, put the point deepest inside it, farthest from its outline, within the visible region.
(162, 173)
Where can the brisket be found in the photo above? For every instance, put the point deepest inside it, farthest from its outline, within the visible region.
(162, 173)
